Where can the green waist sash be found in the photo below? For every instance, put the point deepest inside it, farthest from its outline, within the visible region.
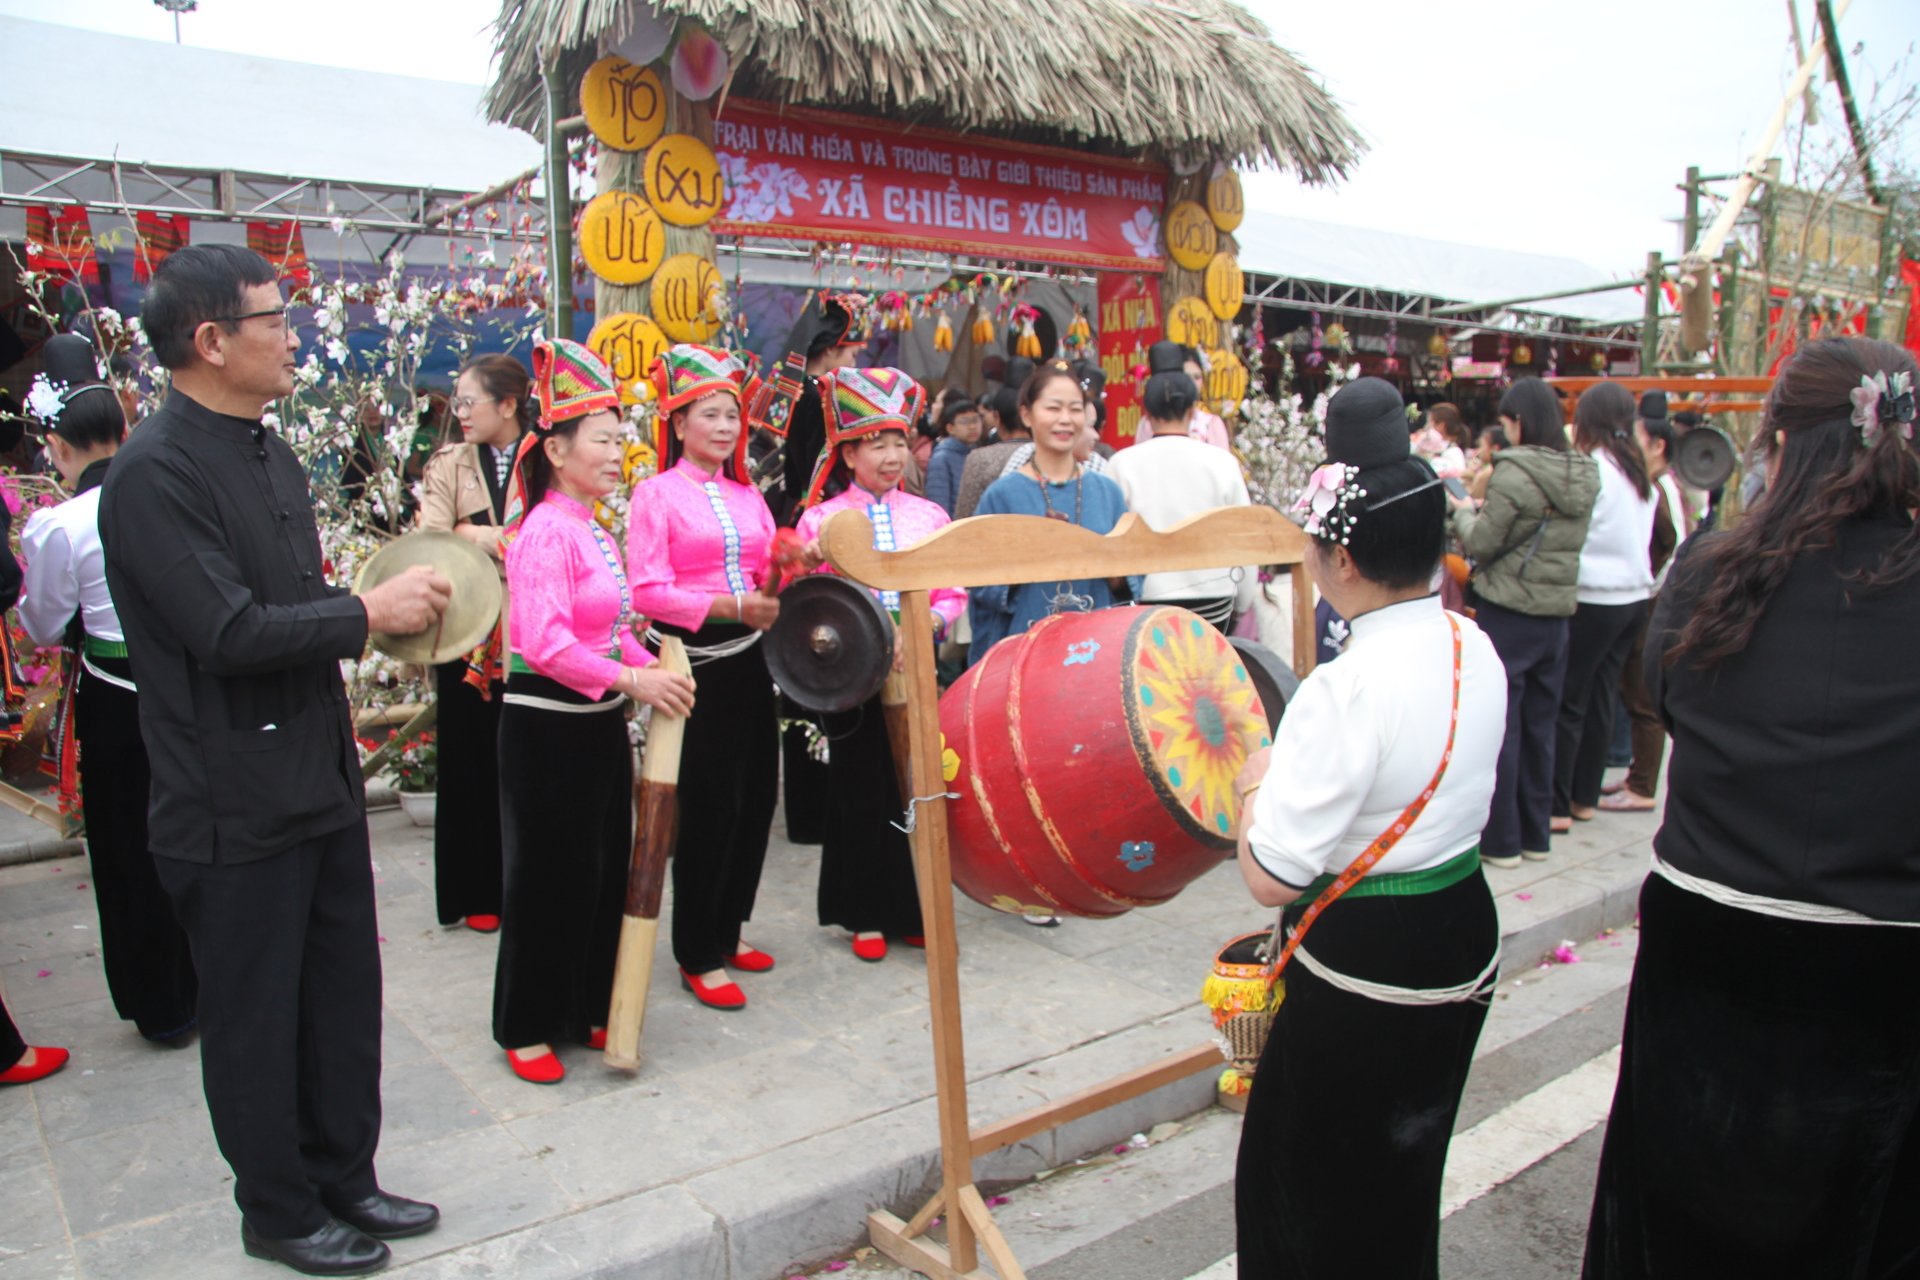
(97, 648)
(1404, 884)
(517, 665)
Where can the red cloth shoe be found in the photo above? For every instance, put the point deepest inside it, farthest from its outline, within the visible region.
(484, 924)
(872, 950)
(46, 1061)
(752, 960)
(714, 995)
(545, 1069)
(597, 1039)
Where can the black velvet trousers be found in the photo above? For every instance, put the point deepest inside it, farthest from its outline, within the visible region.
(566, 806)
(145, 952)
(12, 1047)
(729, 782)
(467, 877)
(289, 962)
(867, 883)
(803, 780)
(1767, 1118)
(1354, 1100)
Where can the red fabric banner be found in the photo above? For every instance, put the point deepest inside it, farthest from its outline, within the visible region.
(800, 174)
(280, 243)
(60, 243)
(161, 234)
(1910, 277)
(1129, 322)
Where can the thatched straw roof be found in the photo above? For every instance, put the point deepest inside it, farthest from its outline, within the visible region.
(1125, 77)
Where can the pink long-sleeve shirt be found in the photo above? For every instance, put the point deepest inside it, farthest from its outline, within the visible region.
(568, 591)
(899, 520)
(693, 536)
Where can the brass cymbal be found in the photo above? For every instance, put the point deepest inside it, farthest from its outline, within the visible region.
(471, 611)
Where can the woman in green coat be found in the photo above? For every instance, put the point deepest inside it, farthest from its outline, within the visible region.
(1525, 540)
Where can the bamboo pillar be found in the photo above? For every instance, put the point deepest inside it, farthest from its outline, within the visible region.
(559, 209)
(624, 171)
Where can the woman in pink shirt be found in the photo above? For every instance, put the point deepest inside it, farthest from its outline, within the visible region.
(866, 867)
(566, 767)
(698, 538)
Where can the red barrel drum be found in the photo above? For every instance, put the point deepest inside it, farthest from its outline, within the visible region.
(1097, 759)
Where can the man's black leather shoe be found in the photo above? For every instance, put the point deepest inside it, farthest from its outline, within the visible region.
(388, 1217)
(334, 1250)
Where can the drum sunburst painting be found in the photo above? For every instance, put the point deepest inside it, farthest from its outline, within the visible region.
(1195, 716)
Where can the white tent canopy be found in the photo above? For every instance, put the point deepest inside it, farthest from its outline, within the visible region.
(69, 92)
(1273, 244)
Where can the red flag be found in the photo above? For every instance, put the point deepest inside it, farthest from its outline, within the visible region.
(280, 244)
(60, 243)
(160, 235)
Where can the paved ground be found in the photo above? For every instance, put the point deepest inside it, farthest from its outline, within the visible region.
(748, 1144)
(1519, 1176)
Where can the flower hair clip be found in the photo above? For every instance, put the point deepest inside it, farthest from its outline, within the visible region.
(1327, 499)
(1880, 400)
(45, 398)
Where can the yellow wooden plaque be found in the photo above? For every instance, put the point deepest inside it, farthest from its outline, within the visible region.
(686, 291)
(1191, 238)
(683, 180)
(1226, 285)
(1226, 203)
(1191, 323)
(625, 105)
(1227, 379)
(629, 343)
(622, 239)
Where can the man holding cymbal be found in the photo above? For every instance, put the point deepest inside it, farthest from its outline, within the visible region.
(257, 811)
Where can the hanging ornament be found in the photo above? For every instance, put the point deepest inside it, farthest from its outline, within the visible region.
(1437, 345)
(699, 65)
(943, 334)
(1599, 362)
(1337, 336)
(1393, 346)
(1523, 354)
(983, 329)
(1079, 333)
(1314, 358)
(1029, 341)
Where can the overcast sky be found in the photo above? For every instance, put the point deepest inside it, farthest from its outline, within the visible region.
(1554, 128)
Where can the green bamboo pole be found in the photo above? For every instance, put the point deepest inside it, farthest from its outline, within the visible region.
(1650, 321)
(559, 209)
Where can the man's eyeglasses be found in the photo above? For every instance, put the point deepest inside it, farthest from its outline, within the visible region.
(278, 316)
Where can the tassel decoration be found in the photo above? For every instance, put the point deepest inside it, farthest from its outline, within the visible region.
(943, 334)
(983, 330)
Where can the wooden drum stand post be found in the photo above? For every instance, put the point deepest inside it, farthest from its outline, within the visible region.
(978, 552)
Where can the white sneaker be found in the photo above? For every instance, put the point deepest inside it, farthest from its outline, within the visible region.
(1532, 855)
(1507, 863)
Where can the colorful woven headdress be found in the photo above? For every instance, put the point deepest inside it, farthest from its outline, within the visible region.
(687, 373)
(863, 402)
(570, 382)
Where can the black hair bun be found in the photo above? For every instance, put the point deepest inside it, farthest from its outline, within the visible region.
(68, 361)
(1367, 425)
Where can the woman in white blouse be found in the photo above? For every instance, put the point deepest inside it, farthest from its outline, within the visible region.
(102, 761)
(1383, 766)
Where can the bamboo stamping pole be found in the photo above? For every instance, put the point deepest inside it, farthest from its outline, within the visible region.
(646, 876)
